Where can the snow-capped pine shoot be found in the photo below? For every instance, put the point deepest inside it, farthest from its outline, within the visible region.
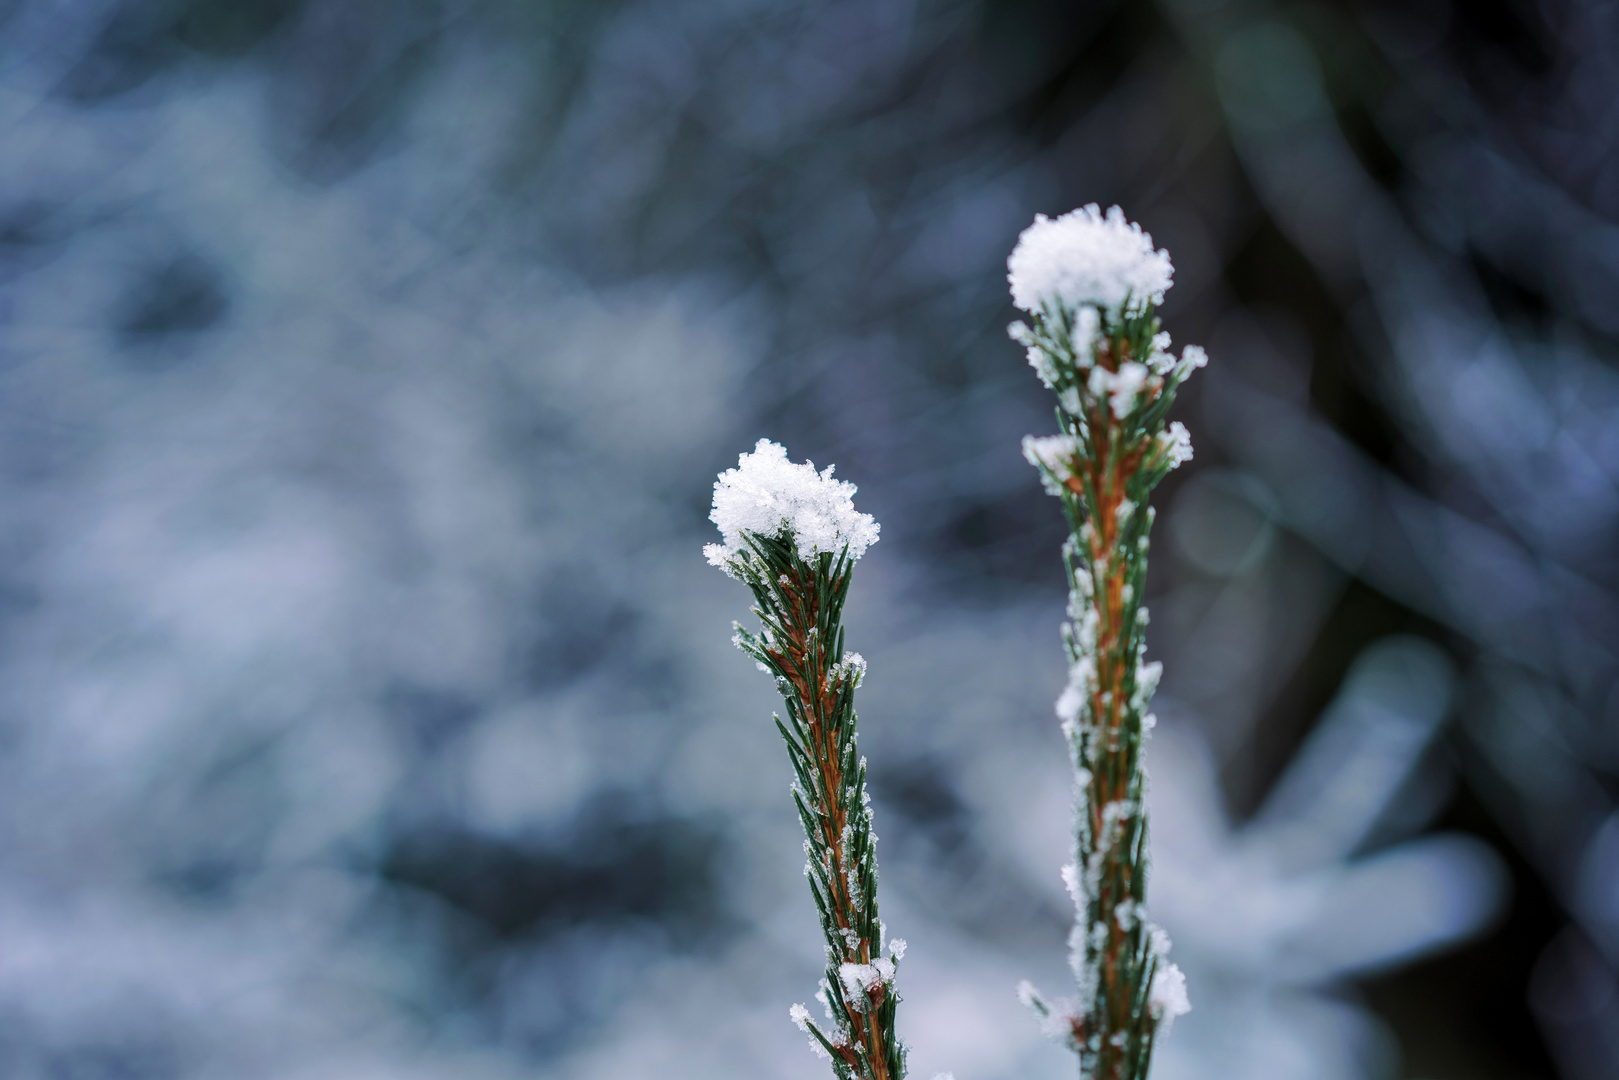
(792, 535)
(1092, 283)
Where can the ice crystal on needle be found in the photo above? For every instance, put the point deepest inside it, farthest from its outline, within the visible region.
(771, 496)
(1083, 258)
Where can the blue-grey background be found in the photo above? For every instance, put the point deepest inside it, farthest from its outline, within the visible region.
(367, 709)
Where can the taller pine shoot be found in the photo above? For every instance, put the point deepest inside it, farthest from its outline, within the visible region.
(1091, 284)
(792, 536)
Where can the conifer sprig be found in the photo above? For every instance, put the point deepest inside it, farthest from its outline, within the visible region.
(799, 589)
(1097, 343)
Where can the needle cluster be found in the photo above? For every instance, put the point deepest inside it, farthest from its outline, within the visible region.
(1095, 341)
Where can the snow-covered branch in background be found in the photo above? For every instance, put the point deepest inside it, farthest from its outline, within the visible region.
(1092, 283)
(792, 535)
(1323, 884)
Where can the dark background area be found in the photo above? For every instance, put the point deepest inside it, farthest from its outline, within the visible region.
(366, 708)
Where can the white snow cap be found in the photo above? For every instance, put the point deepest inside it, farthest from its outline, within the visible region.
(769, 495)
(1085, 258)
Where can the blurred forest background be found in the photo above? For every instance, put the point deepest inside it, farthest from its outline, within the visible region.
(367, 709)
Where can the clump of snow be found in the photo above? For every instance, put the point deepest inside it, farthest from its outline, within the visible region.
(852, 668)
(1147, 677)
(897, 948)
(859, 980)
(1083, 258)
(1122, 388)
(1081, 676)
(1176, 444)
(1192, 358)
(1054, 456)
(1161, 360)
(1070, 882)
(771, 496)
(1082, 335)
(1167, 999)
(858, 977)
(1044, 366)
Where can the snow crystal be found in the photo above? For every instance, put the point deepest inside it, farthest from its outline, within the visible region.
(1069, 702)
(1043, 364)
(771, 496)
(1167, 998)
(1082, 336)
(1082, 258)
(1043, 353)
(858, 979)
(851, 668)
(897, 948)
(1081, 676)
(822, 994)
(1054, 456)
(1176, 444)
(1121, 388)
(1070, 881)
(801, 1017)
(1161, 360)
(1057, 1018)
(1027, 995)
(1147, 676)
(1086, 975)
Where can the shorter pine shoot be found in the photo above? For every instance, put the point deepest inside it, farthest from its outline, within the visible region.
(1091, 284)
(792, 536)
